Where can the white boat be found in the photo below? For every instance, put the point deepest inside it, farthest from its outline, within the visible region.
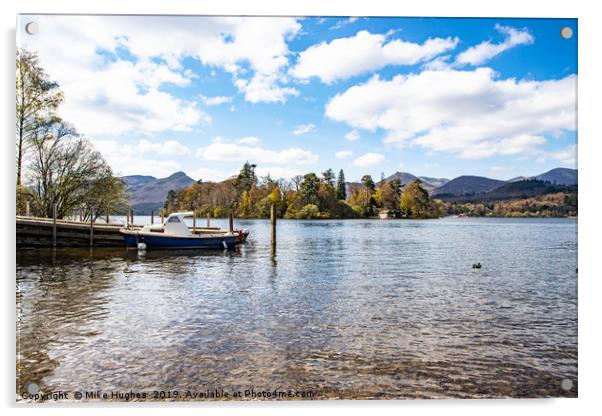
(175, 233)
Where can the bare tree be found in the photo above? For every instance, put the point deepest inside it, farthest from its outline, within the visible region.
(37, 100)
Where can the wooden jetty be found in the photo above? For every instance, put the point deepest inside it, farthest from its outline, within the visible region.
(47, 232)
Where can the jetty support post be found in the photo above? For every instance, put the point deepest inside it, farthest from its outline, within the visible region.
(91, 226)
(81, 214)
(108, 214)
(231, 221)
(54, 225)
(273, 225)
(162, 213)
(27, 209)
(152, 217)
(193, 223)
(208, 220)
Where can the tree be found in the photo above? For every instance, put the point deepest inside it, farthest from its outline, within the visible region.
(171, 202)
(308, 189)
(415, 202)
(297, 179)
(368, 184)
(37, 100)
(329, 177)
(390, 193)
(66, 170)
(246, 178)
(341, 192)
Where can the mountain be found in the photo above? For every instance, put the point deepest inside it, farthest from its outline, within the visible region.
(559, 176)
(528, 188)
(147, 193)
(428, 183)
(467, 185)
(433, 182)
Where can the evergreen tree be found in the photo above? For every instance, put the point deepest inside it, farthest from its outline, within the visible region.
(246, 178)
(341, 192)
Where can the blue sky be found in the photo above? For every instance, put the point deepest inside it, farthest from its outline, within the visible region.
(431, 96)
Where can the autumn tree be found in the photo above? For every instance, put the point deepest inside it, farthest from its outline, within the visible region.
(416, 203)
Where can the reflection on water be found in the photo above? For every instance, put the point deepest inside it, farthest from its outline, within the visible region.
(351, 309)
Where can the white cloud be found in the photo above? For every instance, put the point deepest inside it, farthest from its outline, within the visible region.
(264, 88)
(353, 135)
(343, 154)
(369, 159)
(304, 129)
(484, 51)
(278, 171)
(221, 151)
(132, 159)
(109, 91)
(168, 148)
(249, 140)
(471, 114)
(217, 100)
(566, 156)
(210, 175)
(345, 57)
(342, 23)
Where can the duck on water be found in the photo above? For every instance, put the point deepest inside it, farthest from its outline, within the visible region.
(175, 233)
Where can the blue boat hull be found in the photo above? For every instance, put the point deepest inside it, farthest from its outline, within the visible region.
(160, 241)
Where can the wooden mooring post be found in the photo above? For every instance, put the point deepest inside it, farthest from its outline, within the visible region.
(108, 215)
(162, 213)
(193, 223)
(208, 220)
(91, 226)
(54, 225)
(27, 209)
(152, 217)
(273, 224)
(231, 221)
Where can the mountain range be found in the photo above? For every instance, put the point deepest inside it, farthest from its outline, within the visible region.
(148, 193)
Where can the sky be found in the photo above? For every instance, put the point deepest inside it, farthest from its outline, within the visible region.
(438, 97)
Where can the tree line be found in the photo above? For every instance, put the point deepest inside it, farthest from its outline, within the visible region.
(56, 167)
(308, 196)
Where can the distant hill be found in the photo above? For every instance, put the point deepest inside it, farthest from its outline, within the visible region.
(559, 176)
(427, 182)
(147, 193)
(467, 185)
(528, 188)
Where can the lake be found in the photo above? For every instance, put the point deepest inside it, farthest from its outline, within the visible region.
(344, 308)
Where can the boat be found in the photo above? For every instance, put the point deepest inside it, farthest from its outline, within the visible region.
(175, 233)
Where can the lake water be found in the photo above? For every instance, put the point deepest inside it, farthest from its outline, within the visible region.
(346, 309)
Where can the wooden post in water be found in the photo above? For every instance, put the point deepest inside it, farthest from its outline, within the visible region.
(162, 212)
(27, 209)
(273, 223)
(131, 217)
(231, 221)
(152, 217)
(108, 214)
(91, 226)
(208, 220)
(81, 214)
(54, 225)
(193, 223)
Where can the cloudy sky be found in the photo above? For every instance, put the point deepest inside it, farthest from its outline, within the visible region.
(434, 97)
